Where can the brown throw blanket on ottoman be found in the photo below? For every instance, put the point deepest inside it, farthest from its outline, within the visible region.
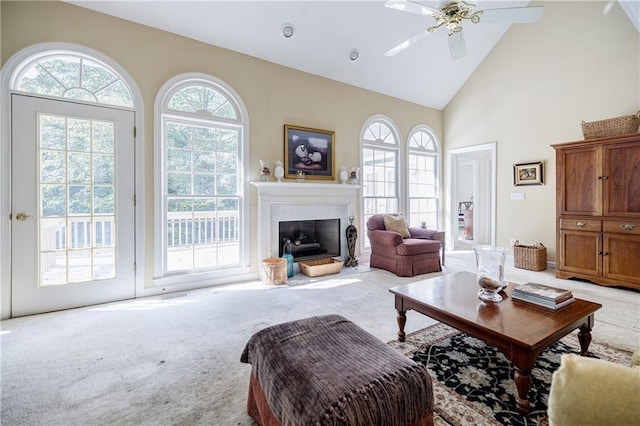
(328, 371)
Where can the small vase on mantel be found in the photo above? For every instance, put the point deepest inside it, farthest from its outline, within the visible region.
(344, 175)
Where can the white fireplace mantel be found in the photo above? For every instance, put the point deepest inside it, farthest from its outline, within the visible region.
(287, 201)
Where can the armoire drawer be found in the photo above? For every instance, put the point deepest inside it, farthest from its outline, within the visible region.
(622, 227)
(581, 224)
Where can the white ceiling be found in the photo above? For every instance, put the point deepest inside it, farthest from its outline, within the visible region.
(325, 32)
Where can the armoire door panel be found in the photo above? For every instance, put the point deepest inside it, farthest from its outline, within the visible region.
(580, 252)
(622, 257)
(581, 192)
(622, 186)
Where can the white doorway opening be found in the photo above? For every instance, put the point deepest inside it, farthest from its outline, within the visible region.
(471, 195)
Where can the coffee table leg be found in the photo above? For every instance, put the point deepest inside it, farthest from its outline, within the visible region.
(584, 336)
(402, 320)
(523, 383)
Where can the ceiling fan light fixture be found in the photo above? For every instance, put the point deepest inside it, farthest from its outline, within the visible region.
(288, 30)
(453, 14)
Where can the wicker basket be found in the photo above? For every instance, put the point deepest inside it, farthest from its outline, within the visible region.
(274, 270)
(317, 267)
(533, 258)
(611, 127)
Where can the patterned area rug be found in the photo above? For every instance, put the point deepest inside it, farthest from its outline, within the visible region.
(473, 382)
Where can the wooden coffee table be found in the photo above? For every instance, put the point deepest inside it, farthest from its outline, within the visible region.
(518, 329)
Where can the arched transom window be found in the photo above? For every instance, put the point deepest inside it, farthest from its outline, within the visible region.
(74, 76)
(203, 100)
(422, 178)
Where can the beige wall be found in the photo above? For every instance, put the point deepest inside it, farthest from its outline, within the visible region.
(580, 61)
(274, 95)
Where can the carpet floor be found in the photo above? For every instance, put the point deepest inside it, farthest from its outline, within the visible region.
(175, 359)
(473, 382)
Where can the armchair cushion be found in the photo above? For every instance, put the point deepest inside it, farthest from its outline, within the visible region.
(416, 246)
(397, 224)
(588, 391)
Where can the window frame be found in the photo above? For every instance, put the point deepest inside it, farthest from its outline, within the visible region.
(191, 276)
(380, 146)
(433, 153)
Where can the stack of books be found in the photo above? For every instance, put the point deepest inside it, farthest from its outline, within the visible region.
(543, 295)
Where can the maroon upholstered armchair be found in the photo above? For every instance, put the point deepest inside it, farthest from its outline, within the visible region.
(417, 253)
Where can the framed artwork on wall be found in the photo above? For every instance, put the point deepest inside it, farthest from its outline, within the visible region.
(528, 174)
(310, 151)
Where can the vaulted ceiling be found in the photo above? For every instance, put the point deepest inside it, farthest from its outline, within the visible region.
(327, 32)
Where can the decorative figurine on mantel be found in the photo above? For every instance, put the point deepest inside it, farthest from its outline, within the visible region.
(353, 175)
(343, 175)
(265, 172)
(352, 236)
(279, 171)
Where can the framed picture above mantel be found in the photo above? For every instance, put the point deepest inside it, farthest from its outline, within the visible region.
(310, 151)
(528, 174)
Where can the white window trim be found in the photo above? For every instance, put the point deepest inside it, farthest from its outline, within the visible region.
(399, 164)
(184, 281)
(8, 75)
(436, 154)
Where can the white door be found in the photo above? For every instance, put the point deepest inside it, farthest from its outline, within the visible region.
(72, 205)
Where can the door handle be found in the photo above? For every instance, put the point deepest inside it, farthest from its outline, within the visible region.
(21, 217)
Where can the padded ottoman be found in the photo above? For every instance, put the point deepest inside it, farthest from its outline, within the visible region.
(326, 370)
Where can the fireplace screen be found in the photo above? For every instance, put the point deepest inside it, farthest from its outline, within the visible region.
(311, 239)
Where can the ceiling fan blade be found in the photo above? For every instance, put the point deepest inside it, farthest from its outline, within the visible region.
(409, 42)
(409, 6)
(457, 46)
(511, 15)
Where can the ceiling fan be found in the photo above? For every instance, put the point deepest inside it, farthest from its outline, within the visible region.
(451, 16)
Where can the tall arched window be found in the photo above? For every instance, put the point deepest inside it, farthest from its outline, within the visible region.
(199, 172)
(379, 167)
(422, 178)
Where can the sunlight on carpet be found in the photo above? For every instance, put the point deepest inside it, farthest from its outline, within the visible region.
(473, 381)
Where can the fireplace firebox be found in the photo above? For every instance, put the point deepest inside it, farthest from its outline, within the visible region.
(311, 239)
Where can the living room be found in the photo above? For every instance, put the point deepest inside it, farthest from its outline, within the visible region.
(533, 90)
(579, 62)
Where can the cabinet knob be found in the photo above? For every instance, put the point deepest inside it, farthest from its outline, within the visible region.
(580, 224)
(628, 227)
(605, 177)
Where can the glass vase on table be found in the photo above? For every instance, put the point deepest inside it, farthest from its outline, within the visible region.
(490, 272)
